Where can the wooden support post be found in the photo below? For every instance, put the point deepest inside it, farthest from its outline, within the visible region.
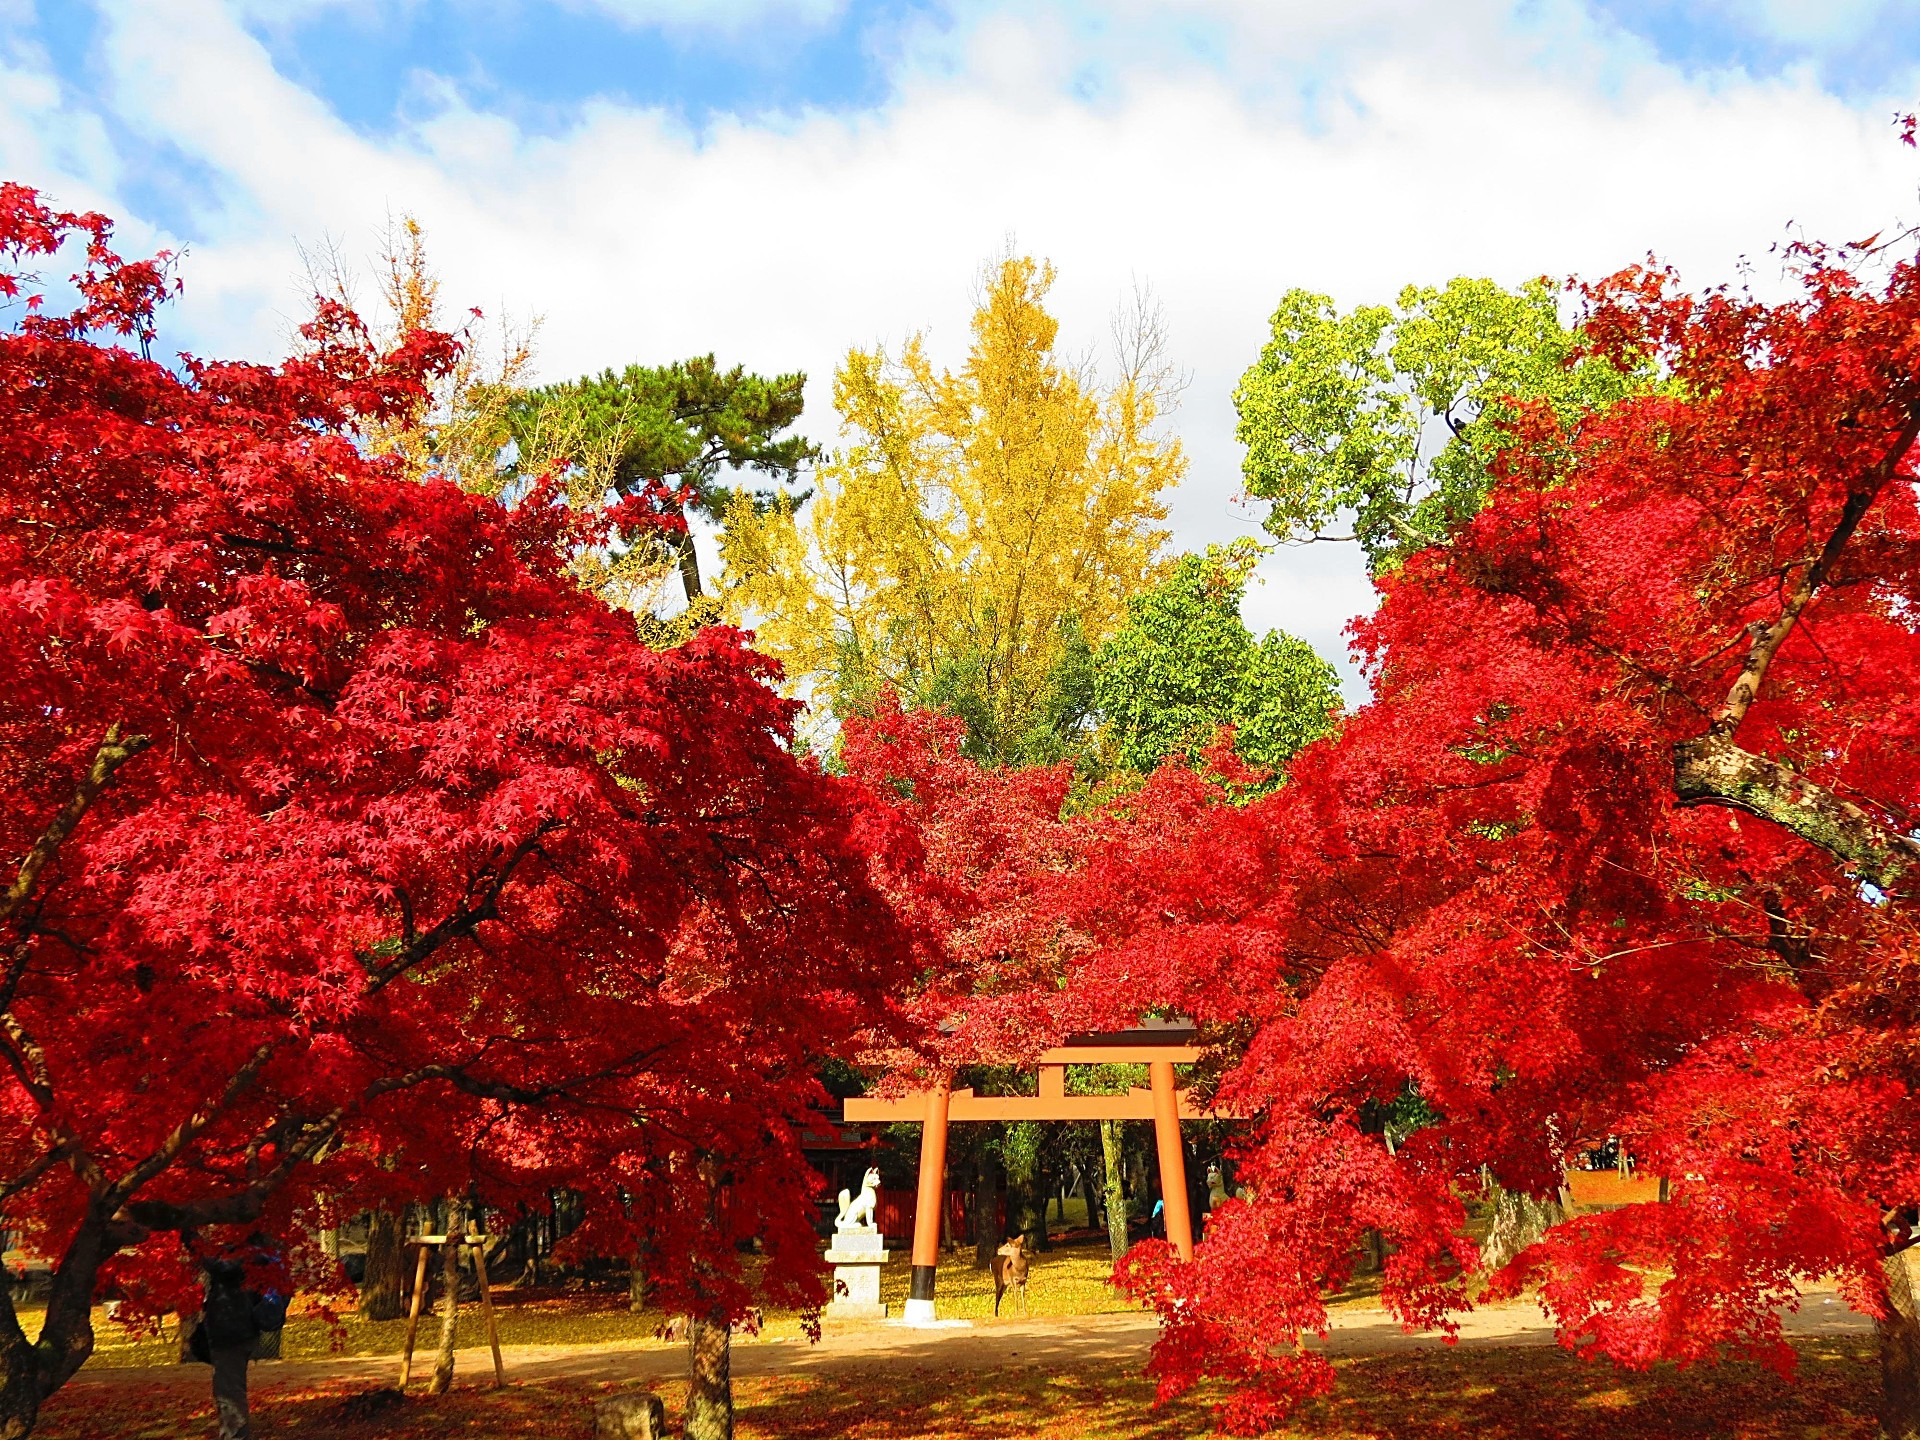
(479, 1243)
(413, 1315)
(926, 1214)
(1173, 1159)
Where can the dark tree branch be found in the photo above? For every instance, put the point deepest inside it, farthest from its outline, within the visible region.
(26, 1179)
(112, 754)
(134, 1220)
(1712, 770)
(462, 921)
(29, 1064)
(1767, 642)
(187, 1130)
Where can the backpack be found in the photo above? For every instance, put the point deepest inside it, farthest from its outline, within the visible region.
(227, 1321)
(270, 1311)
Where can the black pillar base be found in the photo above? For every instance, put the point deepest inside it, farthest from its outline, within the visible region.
(920, 1285)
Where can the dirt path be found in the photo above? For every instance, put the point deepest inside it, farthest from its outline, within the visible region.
(1050, 1343)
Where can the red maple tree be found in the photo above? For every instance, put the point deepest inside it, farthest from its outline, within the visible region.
(351, 847)
(976, 858)
(1623, 846)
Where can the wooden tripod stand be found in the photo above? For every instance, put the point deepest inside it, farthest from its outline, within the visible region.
(478, 1244)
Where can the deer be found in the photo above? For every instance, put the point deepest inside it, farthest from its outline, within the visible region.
(1010, 1272)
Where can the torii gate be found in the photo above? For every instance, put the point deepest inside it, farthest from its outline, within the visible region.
(1159, 1045)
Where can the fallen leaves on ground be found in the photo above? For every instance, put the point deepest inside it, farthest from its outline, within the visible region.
(1529, 1393)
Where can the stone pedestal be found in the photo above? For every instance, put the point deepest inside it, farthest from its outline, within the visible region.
(856, 1255)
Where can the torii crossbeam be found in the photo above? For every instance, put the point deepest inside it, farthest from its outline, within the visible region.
(1159, 1045)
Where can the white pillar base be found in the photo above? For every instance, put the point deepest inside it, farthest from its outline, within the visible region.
(919, 1312)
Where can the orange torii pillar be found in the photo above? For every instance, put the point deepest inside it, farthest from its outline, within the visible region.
(929, 1199)
(1173, 1158)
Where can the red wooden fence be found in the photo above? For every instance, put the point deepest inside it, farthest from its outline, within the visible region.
(893, 1213)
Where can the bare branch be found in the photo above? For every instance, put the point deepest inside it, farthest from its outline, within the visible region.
(1712, 770)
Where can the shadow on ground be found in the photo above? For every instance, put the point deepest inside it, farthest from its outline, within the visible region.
(1489, 1394)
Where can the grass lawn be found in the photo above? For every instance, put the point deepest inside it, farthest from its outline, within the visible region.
(1486, 1394)
(1069, 1280)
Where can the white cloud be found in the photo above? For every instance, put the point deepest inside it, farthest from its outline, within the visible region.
(1430, 144)
(724, 15)
(43, 134)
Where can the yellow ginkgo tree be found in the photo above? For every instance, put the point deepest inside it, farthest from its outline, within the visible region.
(978, 532)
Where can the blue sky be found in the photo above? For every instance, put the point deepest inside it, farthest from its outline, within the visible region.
(1861, 49)
(540, 62)
(775, 180)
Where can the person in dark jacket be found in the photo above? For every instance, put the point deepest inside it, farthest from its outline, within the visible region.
(232, 1319)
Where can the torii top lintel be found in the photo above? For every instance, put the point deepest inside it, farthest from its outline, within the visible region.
(1167, 1044)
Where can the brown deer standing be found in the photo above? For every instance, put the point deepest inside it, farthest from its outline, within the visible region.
(1010, 1272)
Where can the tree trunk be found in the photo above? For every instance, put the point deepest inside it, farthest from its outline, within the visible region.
(20, 1391)
(536, 1242)
(35, 1369)
(449, 1301)
(20, 1388)
(710, 1368)
(689, 559)
(985, 1197)
(1021, 1157)
(1518, 1221)
(1373, 1252)
(1116, 1198)
(384, 1278)
(637, 1282)
(709, 1336)
(1899, 1336)
(1199, 1201)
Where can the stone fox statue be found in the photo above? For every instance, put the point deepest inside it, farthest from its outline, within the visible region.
(859, 1212)
(1010, 1272)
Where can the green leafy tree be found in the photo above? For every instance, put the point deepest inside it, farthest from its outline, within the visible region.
(689, 426)
(1184, 664)
(1391, 416)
